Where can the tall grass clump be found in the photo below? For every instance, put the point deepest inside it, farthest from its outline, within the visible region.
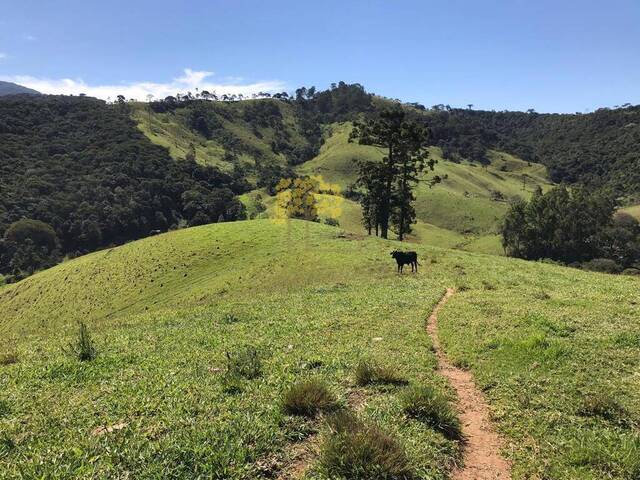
(429, 406)
(82, 347)
(308, 398)
(605, 406)
(8, 358)
(244, 362)
(357, 450)
(369, 373)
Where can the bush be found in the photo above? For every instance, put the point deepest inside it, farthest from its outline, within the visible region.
(356, 450)
(308, 398)
(332, 221)
(425, 404)
(40, 233)
(602, 265)
(244, 363)
(631, 271)
(368, 373)
(82, 348)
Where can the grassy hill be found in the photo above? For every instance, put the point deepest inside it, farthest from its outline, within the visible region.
(556, 351)
(462, 212)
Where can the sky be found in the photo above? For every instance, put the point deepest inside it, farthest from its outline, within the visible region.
(552, 56)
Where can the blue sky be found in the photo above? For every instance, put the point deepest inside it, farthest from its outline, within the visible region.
(562, 55)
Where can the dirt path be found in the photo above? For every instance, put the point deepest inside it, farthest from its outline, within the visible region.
(481, 454)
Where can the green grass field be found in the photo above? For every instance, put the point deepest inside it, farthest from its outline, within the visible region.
(556, 351)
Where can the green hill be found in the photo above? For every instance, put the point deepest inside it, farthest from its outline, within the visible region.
(555, 350)
(463, 211)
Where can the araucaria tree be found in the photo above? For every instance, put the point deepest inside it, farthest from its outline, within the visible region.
(388, 198)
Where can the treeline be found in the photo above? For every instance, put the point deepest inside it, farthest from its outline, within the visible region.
(577, 227)
(308, 109)
(83, 169)
(599, 149)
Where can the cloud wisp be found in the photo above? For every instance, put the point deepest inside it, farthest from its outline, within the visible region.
(189, 81)
(3, 55)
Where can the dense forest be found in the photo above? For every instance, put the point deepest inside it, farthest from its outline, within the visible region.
(599, 149)
(83, 170)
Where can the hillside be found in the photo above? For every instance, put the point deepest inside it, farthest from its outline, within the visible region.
(470, 199)
(9, 88)
(555, 350)
(599, 149)
(463, 211)
(83, 168)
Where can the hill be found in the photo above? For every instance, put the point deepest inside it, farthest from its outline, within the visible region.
(82, 167)
(8, 88)
(554, 349)
(598, 149)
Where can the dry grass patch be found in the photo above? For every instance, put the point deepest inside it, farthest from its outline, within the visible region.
(308, 398)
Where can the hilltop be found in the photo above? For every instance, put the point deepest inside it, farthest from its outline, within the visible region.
(9, 88)
(548, 345)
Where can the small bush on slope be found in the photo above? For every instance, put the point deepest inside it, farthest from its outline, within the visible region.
(82, 347)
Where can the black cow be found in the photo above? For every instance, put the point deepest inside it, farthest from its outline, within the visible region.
(406, 258)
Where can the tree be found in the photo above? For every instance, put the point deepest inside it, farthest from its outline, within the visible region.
(405, 143)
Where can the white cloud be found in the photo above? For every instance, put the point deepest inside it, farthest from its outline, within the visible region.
(3, 55)
(29, 38)
(189, 81)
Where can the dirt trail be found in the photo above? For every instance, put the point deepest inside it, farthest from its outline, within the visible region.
(481, 454)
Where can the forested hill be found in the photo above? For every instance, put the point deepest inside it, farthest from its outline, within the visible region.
(8, 88)
(600, 149)
(82, 167)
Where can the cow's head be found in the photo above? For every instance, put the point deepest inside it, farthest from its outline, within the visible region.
(395, 254)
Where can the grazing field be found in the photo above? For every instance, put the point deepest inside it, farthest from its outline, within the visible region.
(471, 198)
(202, 332)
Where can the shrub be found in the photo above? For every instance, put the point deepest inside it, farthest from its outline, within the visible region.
(244, 363)
(82, 347)
(332, 221)
(356, 450)
(602, 265)
(427, 405)
(368, 373)
(308, 398)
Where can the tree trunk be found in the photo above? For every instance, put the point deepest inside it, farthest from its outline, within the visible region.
(386, 201)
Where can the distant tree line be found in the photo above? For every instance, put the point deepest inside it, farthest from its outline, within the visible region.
(598, 149)
(577, 226)
(77, 175)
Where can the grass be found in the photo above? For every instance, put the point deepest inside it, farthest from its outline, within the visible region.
(371, 373)
(426, 404)
(362, 451)
(540, 340)
(555, 353)
(164, 336)
(308, 398)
